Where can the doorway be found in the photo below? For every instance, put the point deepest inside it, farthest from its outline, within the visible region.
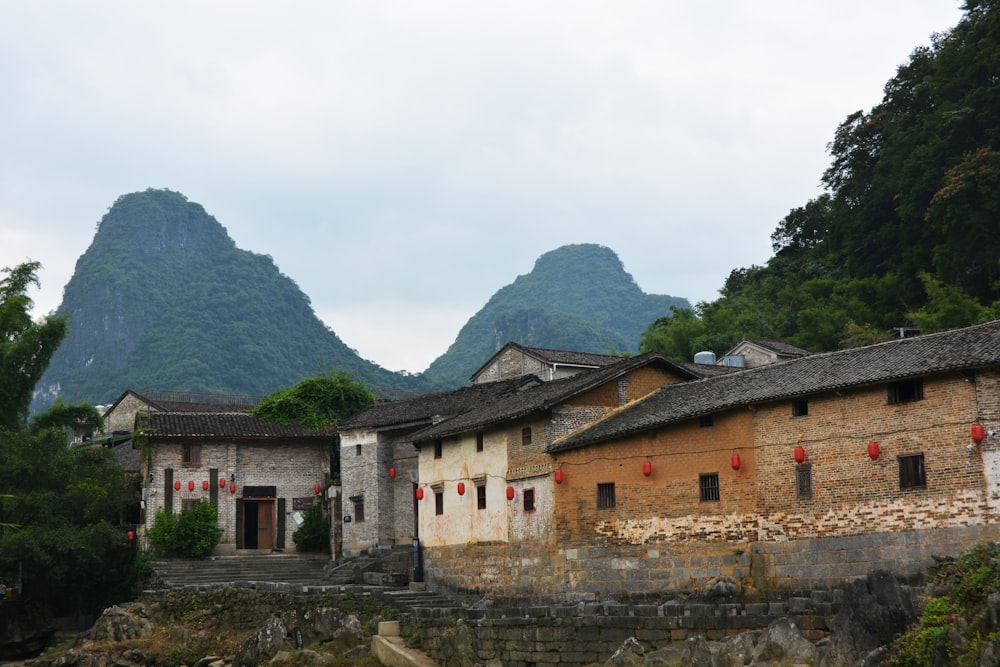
(258, 524)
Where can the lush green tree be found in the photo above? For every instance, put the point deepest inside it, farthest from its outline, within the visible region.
(316, 402)
(26, 346)
(313, 536)
(192, 533)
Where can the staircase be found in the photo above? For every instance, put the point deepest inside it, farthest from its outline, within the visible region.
(409, 600)
(271, 569)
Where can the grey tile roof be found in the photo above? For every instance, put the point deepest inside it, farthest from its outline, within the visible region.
(782, 348)
(220, 425)
(959, 349)
(544, 396)
(432, 407)
(568, 357)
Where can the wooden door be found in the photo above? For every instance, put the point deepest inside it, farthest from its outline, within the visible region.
(265, 525)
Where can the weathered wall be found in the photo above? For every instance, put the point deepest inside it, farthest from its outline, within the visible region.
(122, 417)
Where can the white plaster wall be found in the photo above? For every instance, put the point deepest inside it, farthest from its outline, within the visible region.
(535, 525)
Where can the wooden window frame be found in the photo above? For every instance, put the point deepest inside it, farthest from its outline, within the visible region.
(525, 436)
(438, 448)
(912, 471)
(481, 496)
(800, 408)
(708, 487)
(803, 480)
(191, 454)
(606, 496)
(480, 444)
(359, 508)
(905, 391)
(529, 499)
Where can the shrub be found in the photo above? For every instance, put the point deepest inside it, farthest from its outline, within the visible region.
(314, 533)
(191, 534)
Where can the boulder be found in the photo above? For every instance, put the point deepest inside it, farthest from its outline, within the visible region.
(783, 644)
(629, 654)
(874, 611)
(118, 624)
(264, 644)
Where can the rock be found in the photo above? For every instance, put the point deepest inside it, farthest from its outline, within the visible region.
(629, 654)
(304, 658)
(719, 589)
(264, 644)
(783, 644)
(117, 624)
(695, 652)
(874, 611)
(734, 651)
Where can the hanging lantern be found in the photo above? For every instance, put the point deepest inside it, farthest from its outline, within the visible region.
(874, 450)
(510, 493)
(461, 488)
(204, 485)
(559, 476)
(191, 485)
(647, 468)
(177, 485)
(734, 461)
(978, 434)
(222, 482)
(392, 473)
(317, 488)
(232, 487)
(420, 493)
(800, 454)
(131, 535)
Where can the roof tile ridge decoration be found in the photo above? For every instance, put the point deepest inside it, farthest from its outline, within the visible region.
(937, 352)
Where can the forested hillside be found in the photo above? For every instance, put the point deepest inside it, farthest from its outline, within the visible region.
(906, 236)
(577, 297)
(163, 299)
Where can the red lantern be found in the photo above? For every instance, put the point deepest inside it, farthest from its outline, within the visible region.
(204, 485)
(734, 461)
(420, 493)
(559, 476)
(131, 535)
(177, 485)
(317, 488)
(800, 454)
(461, 488)
(510, 493)
(978, 434)
(232, 487)
(392, 473)
(222, 482)
(874, 450)
(647, 468)
(191, 485)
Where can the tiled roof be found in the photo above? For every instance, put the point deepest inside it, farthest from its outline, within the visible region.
(543, 396)
(781, 347)
(430, 407)
(972, 347)
(568, 357)
(222, 425)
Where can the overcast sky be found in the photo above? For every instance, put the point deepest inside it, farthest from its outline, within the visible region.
(402, 161)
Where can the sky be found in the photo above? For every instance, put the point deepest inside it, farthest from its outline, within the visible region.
(403, 161)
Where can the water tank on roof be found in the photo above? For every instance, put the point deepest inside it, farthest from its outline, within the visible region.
(734, 361)
(707, 358)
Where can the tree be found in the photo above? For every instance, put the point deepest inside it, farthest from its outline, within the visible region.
(26, 346)
(316, 402)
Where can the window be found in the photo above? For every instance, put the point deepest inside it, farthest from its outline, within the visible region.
(606, 496)
(191, 454)
(708, 487)
(906, 391)
(187, 504)
(357, 450)
(438, 503)
(803, 480)
(359, 508)
(481, 496)
(800, 408)
(526, 435)
(706, 421)
(911, 471)
(529, 500)
(437, 448)
(479, 441)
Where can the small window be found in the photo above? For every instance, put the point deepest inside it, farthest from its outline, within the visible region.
(359, 508)
(479, 441)
(191, 454)
(526, 435)
(803, 480)
(906, 391)
(357, 450)
(481, 497)
(708, 487)
(911, 471)
(800, 408)
(706, 421)
(439, 503)
(606, 496)
(187, 504)
(529, 500)
(437, 448)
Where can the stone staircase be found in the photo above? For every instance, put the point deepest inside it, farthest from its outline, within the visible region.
(409, 600)
(293, 570)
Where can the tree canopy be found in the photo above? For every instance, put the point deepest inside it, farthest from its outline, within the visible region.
(316, 402)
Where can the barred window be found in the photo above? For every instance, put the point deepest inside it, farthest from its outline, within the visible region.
(526, 435)
(439, 503)
(606, 496)
(800, 408)
(803, 480)
(359, 508)
(481, 496)
(529, 500)
(479, 441)
(706, 421)
(708, 487)
(911, 471)
(906, 391)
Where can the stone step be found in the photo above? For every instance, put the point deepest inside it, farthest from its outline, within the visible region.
(176, 573)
